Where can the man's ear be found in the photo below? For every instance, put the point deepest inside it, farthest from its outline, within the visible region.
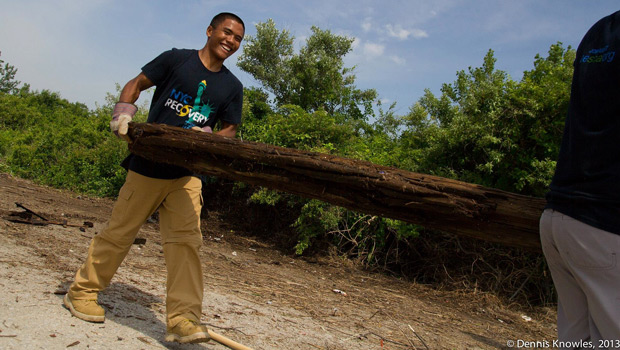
(209, 31)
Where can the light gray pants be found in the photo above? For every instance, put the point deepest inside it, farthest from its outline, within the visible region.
(584, 266)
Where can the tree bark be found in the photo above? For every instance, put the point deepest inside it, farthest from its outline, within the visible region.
(429, 201)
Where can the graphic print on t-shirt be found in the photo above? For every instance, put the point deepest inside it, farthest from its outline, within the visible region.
(198, 114)
(201, 111)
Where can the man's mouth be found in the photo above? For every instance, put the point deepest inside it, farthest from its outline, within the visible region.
(226, 48)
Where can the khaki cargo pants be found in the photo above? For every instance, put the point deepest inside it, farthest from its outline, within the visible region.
(179, 202)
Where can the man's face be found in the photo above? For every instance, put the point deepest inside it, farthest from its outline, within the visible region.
(225, 39)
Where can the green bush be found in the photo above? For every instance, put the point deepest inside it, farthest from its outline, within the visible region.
(54, 142)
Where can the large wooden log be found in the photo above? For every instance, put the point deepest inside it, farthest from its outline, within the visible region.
(429, 201)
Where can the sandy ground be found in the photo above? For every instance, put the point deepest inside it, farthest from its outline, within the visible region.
(253, 293)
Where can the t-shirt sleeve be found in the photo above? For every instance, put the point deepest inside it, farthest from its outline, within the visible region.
(158, 69)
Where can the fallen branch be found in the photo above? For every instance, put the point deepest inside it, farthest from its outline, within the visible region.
(430, 201)
(19, 205)
(28, 217)
(227, 342)
(419, 337)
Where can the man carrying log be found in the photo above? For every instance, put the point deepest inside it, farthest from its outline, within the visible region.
(194, 90)
(580, 229)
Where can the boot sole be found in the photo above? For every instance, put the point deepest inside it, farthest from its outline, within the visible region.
(200, 337)
(81, 316)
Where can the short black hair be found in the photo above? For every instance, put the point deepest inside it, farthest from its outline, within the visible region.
(220, 17)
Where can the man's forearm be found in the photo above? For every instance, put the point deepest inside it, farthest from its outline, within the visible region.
(130, 92)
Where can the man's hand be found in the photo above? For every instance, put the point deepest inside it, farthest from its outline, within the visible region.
(228, 130)
(121, 116)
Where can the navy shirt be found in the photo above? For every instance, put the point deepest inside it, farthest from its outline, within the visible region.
(187, 94)
(586, 184)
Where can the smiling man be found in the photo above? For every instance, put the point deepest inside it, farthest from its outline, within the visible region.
(194, 90)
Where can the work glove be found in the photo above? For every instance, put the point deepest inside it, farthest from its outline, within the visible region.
(205, 129)
(121, 116)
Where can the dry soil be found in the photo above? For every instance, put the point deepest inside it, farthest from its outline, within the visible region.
(253, 293)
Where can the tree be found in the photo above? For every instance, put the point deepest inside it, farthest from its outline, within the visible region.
(266, 58)
(314, 78)
(8, 84)
(487, 129)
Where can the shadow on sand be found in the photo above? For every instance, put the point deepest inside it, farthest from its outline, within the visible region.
(144, 312)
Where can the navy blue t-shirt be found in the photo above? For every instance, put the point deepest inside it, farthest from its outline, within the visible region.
(586, 184)
(187, 94)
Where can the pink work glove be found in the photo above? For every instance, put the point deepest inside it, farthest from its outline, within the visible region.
(121, 116)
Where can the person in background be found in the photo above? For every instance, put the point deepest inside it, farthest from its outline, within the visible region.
(580, 227)
(194, 90)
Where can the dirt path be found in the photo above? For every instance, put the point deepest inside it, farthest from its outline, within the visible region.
(253, 294)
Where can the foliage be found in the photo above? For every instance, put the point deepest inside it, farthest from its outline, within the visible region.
(314, 78)
(256, 109)
(266, 58)
(294, 127)
(315, 220)
(52, 141)
(256, 104)
(8, 84)
(488, 129)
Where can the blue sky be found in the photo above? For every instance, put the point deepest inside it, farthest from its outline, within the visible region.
(81, 49)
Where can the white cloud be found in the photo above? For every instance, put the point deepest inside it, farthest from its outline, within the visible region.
(372, 49)
(367, 24)
(398, 60)
(419, 33)
(397, 31)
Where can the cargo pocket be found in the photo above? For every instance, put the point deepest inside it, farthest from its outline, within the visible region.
(121, 208)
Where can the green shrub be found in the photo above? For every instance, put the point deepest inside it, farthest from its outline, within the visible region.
(54, 142)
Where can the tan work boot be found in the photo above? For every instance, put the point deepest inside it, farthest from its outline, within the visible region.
(87, 310)
(188, 331)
